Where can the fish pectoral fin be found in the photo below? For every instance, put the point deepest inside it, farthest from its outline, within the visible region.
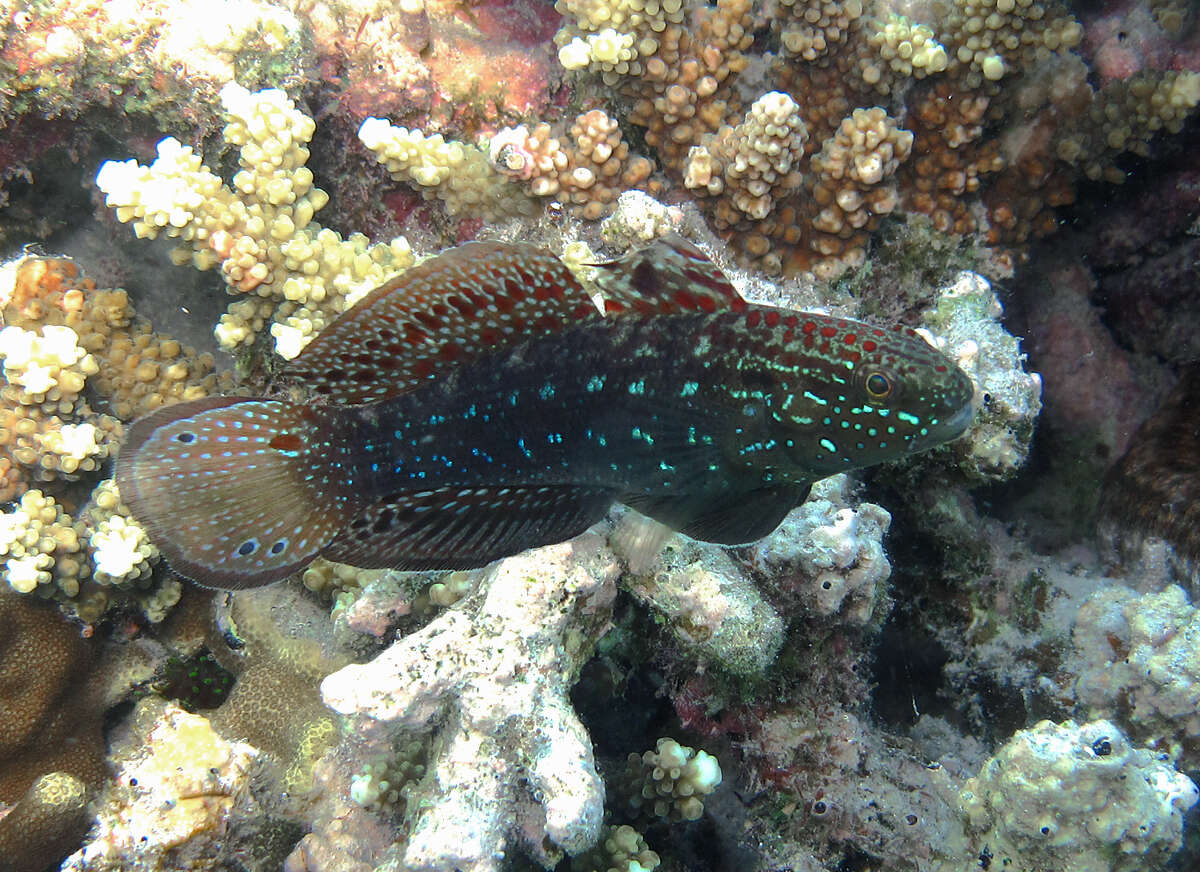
(465, 528)
(732, 519)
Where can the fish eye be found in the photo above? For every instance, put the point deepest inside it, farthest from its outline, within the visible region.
(878, 385)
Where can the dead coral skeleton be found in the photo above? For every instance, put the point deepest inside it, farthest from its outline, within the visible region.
(512, 762)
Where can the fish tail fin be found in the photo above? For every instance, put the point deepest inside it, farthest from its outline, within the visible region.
(236, 492)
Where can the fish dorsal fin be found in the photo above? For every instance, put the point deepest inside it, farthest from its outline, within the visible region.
(734, 519)
(465, 527)
(468, 301)
(668, 277)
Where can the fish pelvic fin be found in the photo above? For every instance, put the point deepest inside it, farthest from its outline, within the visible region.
(236, 492)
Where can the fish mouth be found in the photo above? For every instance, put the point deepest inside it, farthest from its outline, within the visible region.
(948, 428)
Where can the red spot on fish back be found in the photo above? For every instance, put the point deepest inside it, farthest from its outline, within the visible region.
(772, 319)
(685, 299)
(810, 326)
(449, 352)
(823, 348)
(850, 338)
(939, 368)
(423, 368)
(462, 304)
(868, 345)
(828, 332)
(753, 318)
(514, 290)
(853, 357)
(708, 304)
(415, 335)
(791, 321)
(808, 341)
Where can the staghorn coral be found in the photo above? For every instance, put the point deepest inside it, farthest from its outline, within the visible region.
(42, 547)
(751, 165)
(457, 173)
(497, 672)
(260, 231)
(136, 369)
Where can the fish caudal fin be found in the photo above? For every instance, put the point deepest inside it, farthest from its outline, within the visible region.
(236, 492)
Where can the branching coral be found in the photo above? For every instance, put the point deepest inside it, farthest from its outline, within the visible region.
(260, 231)
(671, 781)
(586, 172)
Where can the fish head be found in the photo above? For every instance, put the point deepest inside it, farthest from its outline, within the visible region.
(852, 395)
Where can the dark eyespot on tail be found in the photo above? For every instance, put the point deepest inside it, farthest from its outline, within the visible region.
(235, 492)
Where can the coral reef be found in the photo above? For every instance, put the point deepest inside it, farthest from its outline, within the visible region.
(854, 689)
(1074, 797)
(1137, 659)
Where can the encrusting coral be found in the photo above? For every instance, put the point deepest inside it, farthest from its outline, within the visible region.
(1077, 797)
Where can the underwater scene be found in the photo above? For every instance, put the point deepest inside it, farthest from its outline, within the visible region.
(599, 435)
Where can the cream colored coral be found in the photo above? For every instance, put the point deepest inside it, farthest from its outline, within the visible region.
(613, 37)
(811, 27)
(1125, 115)
(905, 50)
(49, 369)
(622, 849)
(854, 186)
(586, 170)
(989, 39)
(40, 546)
(672, 780)
(457, 173)
(259, 228)
(45, 374)
(753, 164)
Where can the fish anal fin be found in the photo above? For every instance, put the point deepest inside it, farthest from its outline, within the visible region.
(670, 276)
(465, 528)
(468, 301)
(728, 519)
